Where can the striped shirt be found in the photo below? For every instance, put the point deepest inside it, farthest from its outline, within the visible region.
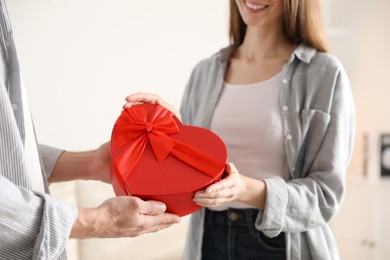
(33, 224)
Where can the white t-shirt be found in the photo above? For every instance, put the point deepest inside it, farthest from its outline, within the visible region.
(247, 118)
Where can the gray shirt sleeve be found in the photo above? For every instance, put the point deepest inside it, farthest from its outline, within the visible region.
(314, 194)
(49, 156)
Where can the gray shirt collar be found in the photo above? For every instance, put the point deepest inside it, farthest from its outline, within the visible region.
(303, 52)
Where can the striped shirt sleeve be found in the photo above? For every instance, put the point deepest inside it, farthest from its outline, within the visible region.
(32, 225)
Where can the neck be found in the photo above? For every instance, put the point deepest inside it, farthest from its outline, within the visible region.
(264, 43)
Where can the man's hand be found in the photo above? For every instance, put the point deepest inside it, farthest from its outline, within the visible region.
(101, 164)
(88, 165)
(122, 217)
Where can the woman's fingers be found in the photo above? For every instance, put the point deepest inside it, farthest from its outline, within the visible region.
(222, 192)
(143, 97)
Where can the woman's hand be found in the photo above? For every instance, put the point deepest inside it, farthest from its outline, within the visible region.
(222, 192)
(142, 97)
(100, 159)
(234, 187)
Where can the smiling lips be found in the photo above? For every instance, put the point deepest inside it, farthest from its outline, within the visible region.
(255, 7)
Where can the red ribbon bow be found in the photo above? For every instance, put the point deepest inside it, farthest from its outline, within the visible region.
(135, 130)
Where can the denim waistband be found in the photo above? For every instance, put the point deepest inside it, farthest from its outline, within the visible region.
(232, 217)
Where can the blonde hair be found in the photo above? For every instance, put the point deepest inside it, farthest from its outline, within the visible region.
(302, 23)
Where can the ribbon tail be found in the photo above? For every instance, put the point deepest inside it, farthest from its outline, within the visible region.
(197, 159)
(118, 179)
(161, 144)
(127, 159)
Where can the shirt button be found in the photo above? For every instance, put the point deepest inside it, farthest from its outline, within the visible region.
(284, 81)
(233, 216)
(288, 137)
(285, 108)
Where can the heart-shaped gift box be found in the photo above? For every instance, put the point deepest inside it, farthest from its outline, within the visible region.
(156, 157)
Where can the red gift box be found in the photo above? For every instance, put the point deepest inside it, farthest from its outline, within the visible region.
(156, 157)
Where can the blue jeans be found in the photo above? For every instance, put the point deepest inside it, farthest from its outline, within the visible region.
(231, 235)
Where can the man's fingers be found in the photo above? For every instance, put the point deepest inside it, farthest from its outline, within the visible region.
(154, 223)
(162, 219)
(154, 228)
(149, 223)
(155, 210)
(152, 208)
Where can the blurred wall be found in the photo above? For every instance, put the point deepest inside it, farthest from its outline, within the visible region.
(361, 41)
(80, 58)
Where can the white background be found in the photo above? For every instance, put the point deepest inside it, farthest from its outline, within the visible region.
(81, 58)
